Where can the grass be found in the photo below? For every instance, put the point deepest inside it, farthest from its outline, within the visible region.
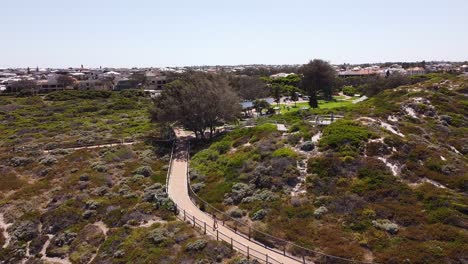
(338, 102)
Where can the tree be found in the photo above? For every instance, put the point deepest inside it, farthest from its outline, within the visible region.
(66, 81)
(293, 93)
(197, 101)
(259, 105)
(138, 78)
(249, 87)
(292, 80)
(24, 86)
(276, 92)
(318, 76)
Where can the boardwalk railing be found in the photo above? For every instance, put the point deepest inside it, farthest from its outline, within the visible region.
(169, 170)
(233, 243)
(279, 245)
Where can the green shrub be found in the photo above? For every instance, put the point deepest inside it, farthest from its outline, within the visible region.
(221, 146)
(72, 95)
(344, 136)
(144, 170)
(349, 90)
(196, 245)
(284, 152)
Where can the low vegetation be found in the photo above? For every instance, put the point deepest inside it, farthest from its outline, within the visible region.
(390, 175)
(99, 205)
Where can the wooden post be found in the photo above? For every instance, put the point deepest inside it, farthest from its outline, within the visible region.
(266, 258)
(232, 246)
(217, 235)
(248, 252)
(193, 221)
(205, 227)
(184, 215)
(284, 250)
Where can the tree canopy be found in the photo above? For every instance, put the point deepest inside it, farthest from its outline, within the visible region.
(24, 86)
(66, 81)
(197, 101)
(318, 76)
(249, 87)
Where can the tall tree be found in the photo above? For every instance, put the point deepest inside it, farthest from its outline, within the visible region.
(249, 87)
(24, 86)
(198, 102)
(259, 105)
(138, 79)
(318, 76)
(276, 92)
(293, 93)
(66, 81)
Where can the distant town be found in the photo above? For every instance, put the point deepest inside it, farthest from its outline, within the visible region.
(153, 80)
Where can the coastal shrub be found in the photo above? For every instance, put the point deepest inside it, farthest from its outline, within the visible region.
(319, 212)
(99, 167)
(48, 160)
(72, 95)
(144, 170)
(198, 186)
(386, 225)
(20, 161)
(221, 146)
(197, 245)
(236, 213)
(259, 215)
(344, 136)
(284, 152)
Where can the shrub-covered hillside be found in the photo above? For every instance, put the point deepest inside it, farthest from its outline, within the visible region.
(73, 118)
(100, 205)
(386, 183)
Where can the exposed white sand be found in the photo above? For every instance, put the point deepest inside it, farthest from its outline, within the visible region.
(51, 260)
(316, 137)
(384, 125)
(392, 118)
(410, 111)
(390, 128)
(455, 150)
(381, 140)
(4, 226)
(436, 184)
(103, 227)
(393, 167)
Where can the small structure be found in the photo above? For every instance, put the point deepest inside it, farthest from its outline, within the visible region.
(360, 99)
(281, 128)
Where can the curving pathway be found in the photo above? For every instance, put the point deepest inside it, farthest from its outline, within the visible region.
(178, 192)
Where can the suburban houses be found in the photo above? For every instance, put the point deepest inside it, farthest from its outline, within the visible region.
(153, 80)
(47, 80)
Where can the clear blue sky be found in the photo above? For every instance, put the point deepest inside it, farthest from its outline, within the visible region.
(64, 33)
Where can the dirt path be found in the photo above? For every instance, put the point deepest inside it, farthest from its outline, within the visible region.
(51, 259)
(178, 192)
(99, 146)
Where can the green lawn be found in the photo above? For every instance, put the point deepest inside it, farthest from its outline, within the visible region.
(322, 104)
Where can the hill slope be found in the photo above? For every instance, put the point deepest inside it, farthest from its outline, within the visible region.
(391, 174)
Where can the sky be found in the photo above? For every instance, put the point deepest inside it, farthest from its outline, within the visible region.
(154, 33)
